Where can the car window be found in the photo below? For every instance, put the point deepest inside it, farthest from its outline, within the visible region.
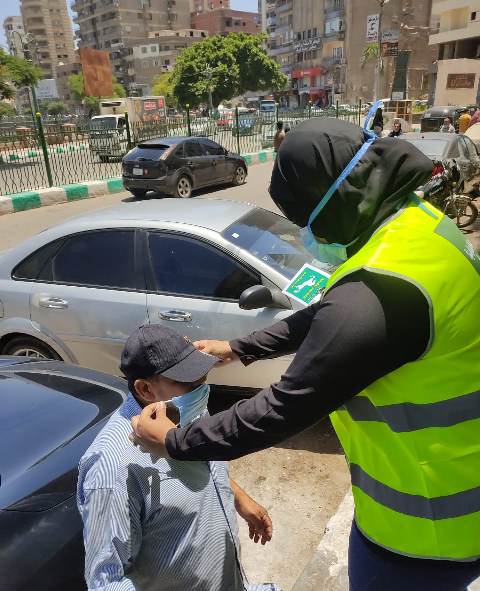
(273, 240)
(212, 148)
(470, 148)
(95, 259)
(453, 150)
(32, 267)
(186, 266)
(192, 149)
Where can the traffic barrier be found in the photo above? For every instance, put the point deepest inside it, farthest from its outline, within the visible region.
(54, 155)
(74, 192)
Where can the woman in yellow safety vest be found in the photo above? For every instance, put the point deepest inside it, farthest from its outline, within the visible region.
(391, 352)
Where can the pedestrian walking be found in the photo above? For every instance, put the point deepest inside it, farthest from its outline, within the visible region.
(392, 352)
(279, 136)
(447, 126)
(152, 524)
(464, 121)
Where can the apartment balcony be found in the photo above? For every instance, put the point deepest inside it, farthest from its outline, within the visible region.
(468, 31)
(334, 9)
(340, 35)
(331, 62)
(280, 50)
(284, 7)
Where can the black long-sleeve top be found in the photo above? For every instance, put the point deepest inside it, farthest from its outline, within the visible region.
(366, 326)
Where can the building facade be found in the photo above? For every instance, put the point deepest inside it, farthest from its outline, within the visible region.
(407, 23)
(206, 5)
(119, 25)
(63, 73)
(48, 23)
(11, 26)
(306, 38)
(222, 21)
(159, 55)
(456, 73)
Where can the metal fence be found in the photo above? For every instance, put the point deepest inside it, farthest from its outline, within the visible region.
(56, 154)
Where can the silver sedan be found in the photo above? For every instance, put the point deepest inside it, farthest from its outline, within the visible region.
(210, 268)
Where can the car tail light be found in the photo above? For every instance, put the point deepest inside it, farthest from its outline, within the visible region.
(437, 169)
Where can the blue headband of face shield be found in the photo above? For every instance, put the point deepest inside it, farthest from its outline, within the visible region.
(336, 254)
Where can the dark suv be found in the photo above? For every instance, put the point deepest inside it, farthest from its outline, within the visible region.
(176, 166)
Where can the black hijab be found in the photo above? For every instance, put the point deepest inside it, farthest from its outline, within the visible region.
(311, 158)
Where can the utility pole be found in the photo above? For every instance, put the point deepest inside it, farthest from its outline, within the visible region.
(379, 66)
(208, 74)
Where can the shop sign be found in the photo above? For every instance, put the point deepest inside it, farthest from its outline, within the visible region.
(460, 81)
(372, 27)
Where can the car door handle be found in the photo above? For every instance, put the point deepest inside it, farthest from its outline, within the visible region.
(176, 316)
(192, 164)
(52, 302)
(214, 163)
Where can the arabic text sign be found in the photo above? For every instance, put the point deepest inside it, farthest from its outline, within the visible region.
(372, 27)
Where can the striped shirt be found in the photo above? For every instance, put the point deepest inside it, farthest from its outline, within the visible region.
(155, 524)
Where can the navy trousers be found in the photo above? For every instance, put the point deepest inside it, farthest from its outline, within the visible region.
(371, 568)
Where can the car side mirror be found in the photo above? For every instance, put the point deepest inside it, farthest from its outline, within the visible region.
(257, 296)
(225, 151)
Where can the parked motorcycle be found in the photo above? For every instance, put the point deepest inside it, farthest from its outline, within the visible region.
(442, 192)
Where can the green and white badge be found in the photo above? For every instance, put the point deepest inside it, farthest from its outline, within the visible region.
(307, 285)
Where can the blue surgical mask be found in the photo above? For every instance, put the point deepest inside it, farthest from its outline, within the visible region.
(192, 405)
(334, 253)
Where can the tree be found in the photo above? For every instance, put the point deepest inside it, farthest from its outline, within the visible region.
(370, 52)
(162, 85)
(16, 72)
(257, 70)
(228, 66)
(56, 108)
(6, 110)
(77, 88)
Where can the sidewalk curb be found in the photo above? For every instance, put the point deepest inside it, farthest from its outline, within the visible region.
(53, 195)
(328, 570)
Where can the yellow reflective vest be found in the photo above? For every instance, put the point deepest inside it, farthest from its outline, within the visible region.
(412, 438)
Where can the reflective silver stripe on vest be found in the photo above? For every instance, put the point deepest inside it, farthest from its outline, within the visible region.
(411, 417)
(462, 503)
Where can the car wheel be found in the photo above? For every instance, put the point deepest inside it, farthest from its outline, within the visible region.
(184, 187)
(103, 158)
(29, 347)
(240, 175)
(138, 193)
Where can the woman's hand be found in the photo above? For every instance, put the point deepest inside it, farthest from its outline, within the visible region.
(220, 349)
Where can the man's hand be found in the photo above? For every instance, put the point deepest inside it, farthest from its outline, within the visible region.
(150, 429)
(259, 523)
(220, 349)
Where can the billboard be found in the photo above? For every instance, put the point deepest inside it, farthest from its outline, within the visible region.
(389, 42)
(372, 27)
(46, 89)
(461, 80)
(97, 72)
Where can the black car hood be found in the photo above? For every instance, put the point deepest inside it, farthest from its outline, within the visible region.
(48, 420)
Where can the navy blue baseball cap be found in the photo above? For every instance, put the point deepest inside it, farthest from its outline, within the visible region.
(155, 349)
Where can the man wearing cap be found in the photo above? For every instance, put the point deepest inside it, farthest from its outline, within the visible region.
(153, 524)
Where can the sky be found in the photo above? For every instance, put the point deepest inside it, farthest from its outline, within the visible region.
(12, 8)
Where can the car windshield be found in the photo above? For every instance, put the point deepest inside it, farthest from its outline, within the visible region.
(430, 147)
(272, 239)
(103, 123)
